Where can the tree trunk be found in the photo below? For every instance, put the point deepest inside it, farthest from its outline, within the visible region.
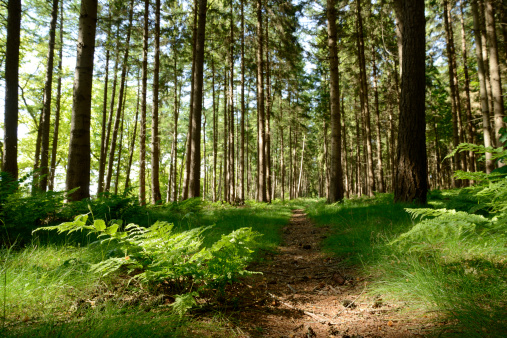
(411, 182)
(195, 146)
(46, 109)
(336, 174)
(120, 148)
(78, 168)
(133, 141)
(494, 71)
(261, 134)
(215, 134)
(486, 128)
(231, 111)
(470, 125)
(156, 196)
(56, 127)
(10, 155)
(112, 147)
(380, 170)
(144, 89)
(241, 166)
(226, 142)
(455, 102)
(365, 109)
(103, 142)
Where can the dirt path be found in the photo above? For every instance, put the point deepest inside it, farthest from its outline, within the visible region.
(303, 292)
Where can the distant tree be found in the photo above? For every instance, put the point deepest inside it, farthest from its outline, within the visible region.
(411, 178)
(78, 169)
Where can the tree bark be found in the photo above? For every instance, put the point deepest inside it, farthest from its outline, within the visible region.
(78, 168)
(112, 147)
(494, 71)
(56, 127)
(46, 109)
(241, 166)
(134, 136)
(380, 170)
(365, 109)
(10, 151)
(486, 128)
(336, 192)
(411, 181)
(261, 133)
(195, 143)
(142, 129)
(156, 196)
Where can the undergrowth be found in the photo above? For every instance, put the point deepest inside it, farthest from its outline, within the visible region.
(450, 257)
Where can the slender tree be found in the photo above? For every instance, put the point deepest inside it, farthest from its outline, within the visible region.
(156, 196)
(142, 129)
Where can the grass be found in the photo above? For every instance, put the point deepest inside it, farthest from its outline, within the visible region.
(462, 278)
(47, 289)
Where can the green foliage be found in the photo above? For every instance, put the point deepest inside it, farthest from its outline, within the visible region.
(159, 255)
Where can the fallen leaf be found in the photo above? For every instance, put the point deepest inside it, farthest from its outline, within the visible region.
(390, 323)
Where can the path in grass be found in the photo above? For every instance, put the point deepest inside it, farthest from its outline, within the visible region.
(303, 292)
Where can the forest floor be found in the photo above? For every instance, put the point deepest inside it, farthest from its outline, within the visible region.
(304, 292)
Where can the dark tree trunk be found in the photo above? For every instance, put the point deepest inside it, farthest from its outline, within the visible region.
(156, 196)
(46, 108)
(336, 174)
(133, 141)
(261, 133)
(56, 127)
(78, 168)
(486, 128)
(411, 181)
(195, 142)
(10, 155)
(241, 166)
(144, 89)
(494, 71)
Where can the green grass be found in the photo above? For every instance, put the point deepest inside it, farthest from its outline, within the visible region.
(46, 288)
(462, 278)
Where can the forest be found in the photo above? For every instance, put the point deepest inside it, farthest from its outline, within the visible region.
(225, 167)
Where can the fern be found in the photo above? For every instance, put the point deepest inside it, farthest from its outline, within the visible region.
(157, 254)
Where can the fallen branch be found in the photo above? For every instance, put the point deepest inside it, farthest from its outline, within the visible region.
(318, 318)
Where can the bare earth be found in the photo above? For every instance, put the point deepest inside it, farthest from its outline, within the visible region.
(303, 292)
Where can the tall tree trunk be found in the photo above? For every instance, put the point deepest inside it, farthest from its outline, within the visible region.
(494, 71)
(46, 109)
(470, 124)
(144, 84)
(455, 102)
(241, 166)
(191, 112)
(103, 142)
(112, 147)
(215, 134)
(231, 111)
(134, 135)
(175, 131)
(380, 170)
(195, 148)
(120, 148)
(269, 102)
(411, 181)
(336, 174)
(486, 128)
(365, 109)
(78, 168)
(226, 142)
(261, 134)
(10, 155)
(56, 127)
(156, 196)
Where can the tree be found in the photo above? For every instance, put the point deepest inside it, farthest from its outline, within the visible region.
(261, 130)
(336, 174)
(78, 169)
(411, 179)
(195, 139)
(155, 138)
(46, 109)
(10, 151)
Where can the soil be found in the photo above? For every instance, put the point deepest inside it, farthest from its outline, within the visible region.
(304, 292)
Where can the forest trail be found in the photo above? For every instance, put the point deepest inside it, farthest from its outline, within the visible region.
(304, 292)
